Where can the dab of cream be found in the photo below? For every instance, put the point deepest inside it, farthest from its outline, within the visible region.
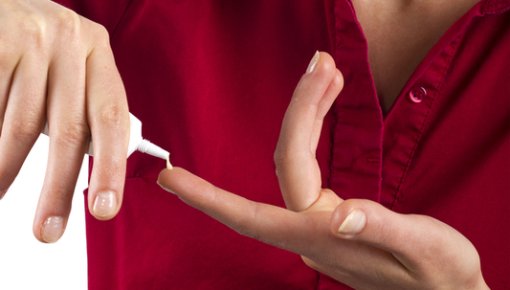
(168, 164)
(146, 146)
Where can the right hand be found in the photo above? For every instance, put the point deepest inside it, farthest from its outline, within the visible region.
(57, 68)
(357, 242)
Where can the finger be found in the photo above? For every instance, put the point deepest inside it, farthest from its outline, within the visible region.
(108, 118)
(416, 241)
(270, 224)
(24, 116)
(8, 65)
(69, 138)
(296, 166)
(324, 106)
(305, 234)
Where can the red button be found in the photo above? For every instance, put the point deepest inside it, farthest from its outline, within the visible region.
(417, 94)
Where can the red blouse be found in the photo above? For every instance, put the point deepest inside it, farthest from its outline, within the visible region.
(211, 81)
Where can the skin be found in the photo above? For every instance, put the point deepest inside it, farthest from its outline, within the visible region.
(57, 68)
(357, 242)
(381, 250)
(399, 34)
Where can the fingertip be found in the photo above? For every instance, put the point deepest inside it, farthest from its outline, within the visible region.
(313, 62)
(105, 204)
(164, 173)
(325, 65)
(321, 77)
(163, 179)
(339, 79)
(372, 223)
(170, 178)
(189, 187)
(353, 223)
(349, 219)
(50, 230)
(106, 186)
(322, 64)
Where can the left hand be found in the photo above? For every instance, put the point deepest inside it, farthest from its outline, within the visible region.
(357, 242)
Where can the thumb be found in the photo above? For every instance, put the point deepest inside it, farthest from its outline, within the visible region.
(414, 240)
(296, 165)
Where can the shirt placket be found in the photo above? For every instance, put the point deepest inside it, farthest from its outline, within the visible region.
(371, 155)
(408, 120)
(357, 133)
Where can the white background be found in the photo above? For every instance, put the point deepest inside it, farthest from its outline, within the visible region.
(25, 263)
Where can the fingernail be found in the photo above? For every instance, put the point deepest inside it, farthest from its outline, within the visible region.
(105, 204)
(313, 62)
(353, 223)
(52, 229)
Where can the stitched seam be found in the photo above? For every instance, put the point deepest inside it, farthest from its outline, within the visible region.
(334, 111)
(439, 85)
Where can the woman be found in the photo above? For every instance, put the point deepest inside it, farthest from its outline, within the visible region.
(420, 127)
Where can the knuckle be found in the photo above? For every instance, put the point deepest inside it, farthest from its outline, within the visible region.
(285, 157)
(24, 128)
(67, 23)
(100, 34)
(33, 27)
(71, 133)
(279, 161)
(243, 228)
(246, 225)
(60, 191)
(279, 156)
(113, 116)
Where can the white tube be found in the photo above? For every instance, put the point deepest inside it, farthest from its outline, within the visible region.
(152, 149)
(136, 141)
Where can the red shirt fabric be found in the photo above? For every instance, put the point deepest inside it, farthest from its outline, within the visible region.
(211, 80)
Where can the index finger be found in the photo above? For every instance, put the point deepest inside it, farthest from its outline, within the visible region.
(306, 234)
(267, 223)
(296, 166)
